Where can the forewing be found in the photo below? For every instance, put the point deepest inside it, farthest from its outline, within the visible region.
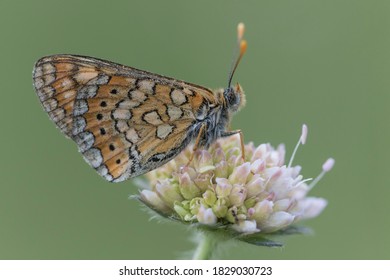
(125, 121)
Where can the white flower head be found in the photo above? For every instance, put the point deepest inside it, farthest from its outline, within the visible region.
(258, 194)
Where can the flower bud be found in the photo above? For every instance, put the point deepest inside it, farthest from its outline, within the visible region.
(277, 221)
(221, 169)
(180, 209)
(312, 207)
(206, 216)
(195, 204)
(259, 152)
(203, 182)
(209, 197)
(246, 226)
(231, 215)
(250, 202)
(223, 187)
(219, 155)
(169, 192)
(186, 169)
(237, 195)
(282, 204)
(257, 166)
(240, 174)
(152, 199)
(205, 162)
(188, 189)
(262, 210)
(255, 186)
(219, 208)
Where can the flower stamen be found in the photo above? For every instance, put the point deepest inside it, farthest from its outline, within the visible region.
(303, 181)
(326, 167)
(302, 140)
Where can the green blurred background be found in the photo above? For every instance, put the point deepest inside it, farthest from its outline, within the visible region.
(323, 63)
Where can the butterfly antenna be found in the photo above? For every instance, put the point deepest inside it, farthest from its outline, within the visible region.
(241, 48)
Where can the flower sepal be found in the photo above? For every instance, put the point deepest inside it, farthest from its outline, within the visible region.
(262, 239)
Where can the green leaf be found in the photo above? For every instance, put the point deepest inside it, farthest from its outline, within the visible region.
(260, 240)
(293, 230)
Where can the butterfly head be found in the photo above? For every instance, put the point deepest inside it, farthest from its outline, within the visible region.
(234, 98)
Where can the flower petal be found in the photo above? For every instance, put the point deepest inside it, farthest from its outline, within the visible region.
(206, 216)
(240, 174)
(262, 210)
(151, 198)
(255, 186)
(237, 195)
(313, 206)
(277, 221)
(223, 187)
(168, 192)
(248, 226)
(188, 189)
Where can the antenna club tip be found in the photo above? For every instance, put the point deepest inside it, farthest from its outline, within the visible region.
(328, 165)
(240, 30)
(243, 46)
(304, 134)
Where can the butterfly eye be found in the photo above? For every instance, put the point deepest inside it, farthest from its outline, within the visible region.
(232, 98)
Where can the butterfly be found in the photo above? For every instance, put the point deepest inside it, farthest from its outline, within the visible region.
(127, 121)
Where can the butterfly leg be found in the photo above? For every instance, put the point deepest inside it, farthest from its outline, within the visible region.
(196, 145)
(238, 131)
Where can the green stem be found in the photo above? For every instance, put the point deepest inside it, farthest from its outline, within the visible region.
(206, 246)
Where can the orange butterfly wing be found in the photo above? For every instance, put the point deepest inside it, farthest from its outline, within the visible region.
(125, 121)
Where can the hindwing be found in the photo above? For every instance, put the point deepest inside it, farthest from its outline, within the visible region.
(125, 121)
